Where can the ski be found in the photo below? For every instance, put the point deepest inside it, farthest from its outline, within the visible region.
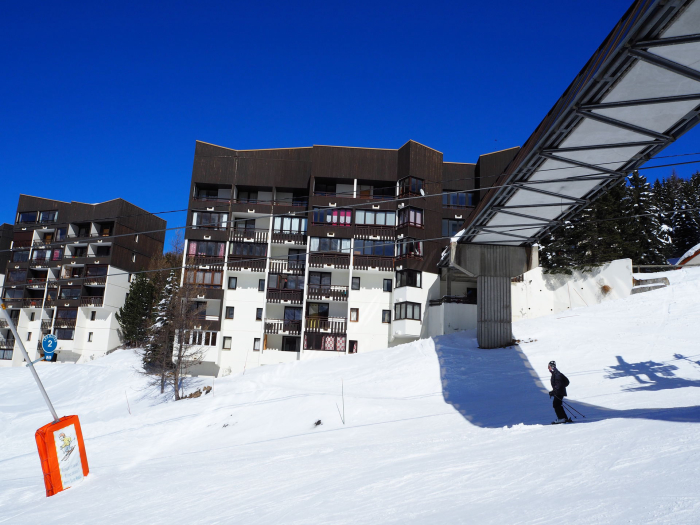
(560, 422)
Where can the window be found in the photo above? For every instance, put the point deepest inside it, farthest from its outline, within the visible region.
(13, 293)
(29, 216)
(289, 225)
(379, 218)
(354, 315)
(48, 216)
(411, 217)
(20, 256)
(408, 278)
(410, 186)
(256, 344)
(96, 271)
(326, 244)
(136, 238)
(285, 282)
(206, 249)
(89, 337)
(387, 285)
(229, 312)
(457, 199)
(334, 216)
(133, 256)
(65, 334)
(324, 188)
(355, 283)
(15, 276)
(320, 279)
(407, 311)
(103, 251)
(66, 314)
(376, 248)
(31, 318)
(206, 278)
(42, 255)
(292, 313)
(352, 347)
(232, 283)
(248, 196)
(450, 227)
(261, 285)
(318, 310)
(386, 316)
(61, 234)
(29, 336)
(209, 220)
(296, 258)
(57, 254)
(291, 344)
(69, 293)
(247, 249)
(93, 314)
(227, 343)
(258, 314)
(408, 247)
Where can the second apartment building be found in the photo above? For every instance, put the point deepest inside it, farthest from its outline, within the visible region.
(319, 251)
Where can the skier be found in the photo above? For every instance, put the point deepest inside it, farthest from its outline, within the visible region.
(559, 383)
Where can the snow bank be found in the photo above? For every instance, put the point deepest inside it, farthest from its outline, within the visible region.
(436, 431)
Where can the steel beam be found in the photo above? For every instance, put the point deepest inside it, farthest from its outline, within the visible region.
(523, 237)
(525, 216)
(665, 63)
(641, 102)
(606, 146)
(579, 163)
(670, 41)
(526, 187)
(624, 125)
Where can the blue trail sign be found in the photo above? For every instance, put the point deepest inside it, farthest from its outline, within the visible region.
(49, 344)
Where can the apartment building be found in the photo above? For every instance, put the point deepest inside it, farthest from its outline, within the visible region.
(6, 232)
(323, 251)
(68, 273)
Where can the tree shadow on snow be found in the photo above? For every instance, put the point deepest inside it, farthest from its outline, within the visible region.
(499, 387)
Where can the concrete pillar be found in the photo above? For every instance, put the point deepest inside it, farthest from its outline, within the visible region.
(493, 328)
(448, 291)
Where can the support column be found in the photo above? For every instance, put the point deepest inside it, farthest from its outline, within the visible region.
(494, 315)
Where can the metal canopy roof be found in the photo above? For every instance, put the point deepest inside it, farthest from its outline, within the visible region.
(638, 93)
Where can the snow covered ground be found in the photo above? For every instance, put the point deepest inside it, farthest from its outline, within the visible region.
(435, 431)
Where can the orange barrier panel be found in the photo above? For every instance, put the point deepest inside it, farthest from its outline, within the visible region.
(62, 452)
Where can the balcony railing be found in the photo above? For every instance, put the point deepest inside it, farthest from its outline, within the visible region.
(3, 323)
(384, 233)
(91, 301)
(52, 283)
(42, 242)
(250, 235)
(37, 281)
(21, 244)
(33, 302)
(281, 237)
(294, 202)
(327, 292)
(253, 265)
(454, 299)
(95, 280)
(39, 261)
(205, 261)
(7, 345)
(252, 201)
(333, 325)
(290, 267)
(64, 323)
(13, 303)
(220, 200)
(371, 262)
(340, 261)
(46, 324)
(49, 303)
(282, 326)
(280, 296)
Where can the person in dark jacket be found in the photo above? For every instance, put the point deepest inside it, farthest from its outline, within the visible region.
(559, 383)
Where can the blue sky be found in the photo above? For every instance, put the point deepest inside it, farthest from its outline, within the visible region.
(106, 100)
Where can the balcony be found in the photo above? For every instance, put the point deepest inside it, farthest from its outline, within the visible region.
(40, 261)
(91, 301)
(285, 296)
(36, 282)
(288, 267)
(249, 235)
(32, 302)
(281, 237)
(300, 202)
(7, 345)
(49, 303)
(453, 299)
(372, 262)
(13, 303)
(320, 292)
(21, 244)
(254, 265)
(64, 323)
(282, 326)
(205, 261)
(331, 325)
(214, 200)
(383, 233)
(340, 261)
(95, 281)
(46, 324)
(3, 323)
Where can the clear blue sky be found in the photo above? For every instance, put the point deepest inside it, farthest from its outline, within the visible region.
(106, 100)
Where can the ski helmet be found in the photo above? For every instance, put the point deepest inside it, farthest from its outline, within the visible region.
(552, 364)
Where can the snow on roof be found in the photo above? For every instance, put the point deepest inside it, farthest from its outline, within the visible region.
(690, 254)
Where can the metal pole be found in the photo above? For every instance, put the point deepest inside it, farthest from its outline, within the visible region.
(3, 312)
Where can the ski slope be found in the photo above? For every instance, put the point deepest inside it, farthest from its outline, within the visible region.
(435, 432)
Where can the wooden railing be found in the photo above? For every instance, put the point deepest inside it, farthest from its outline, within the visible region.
(21, 244)
(39, 261)
(384, 233)
(319, 260)
(333, 325)
(254, 265)
(33, 302)
(290, 267)
(95, 280)
(205, 261)
(92, 301)
(282, 326)
(7, 345)
(221, 200)
(295, 237)
(249, 235)
(331, 292)
(367, 262)
(46, 324)
(294, 202)
(278, 296)
(64, 323)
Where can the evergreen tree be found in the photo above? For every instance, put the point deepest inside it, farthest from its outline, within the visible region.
(134, 317)
(157, 358)
(686, 230)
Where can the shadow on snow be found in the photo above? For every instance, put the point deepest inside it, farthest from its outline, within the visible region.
(497, 388)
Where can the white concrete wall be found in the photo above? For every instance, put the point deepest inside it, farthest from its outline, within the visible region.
(369, 331)
(543, 294)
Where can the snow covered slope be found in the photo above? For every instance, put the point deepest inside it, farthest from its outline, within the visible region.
(435, 431)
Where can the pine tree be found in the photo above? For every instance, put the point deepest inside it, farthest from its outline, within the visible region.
(134, 317)
(157, 358)
(686, 230)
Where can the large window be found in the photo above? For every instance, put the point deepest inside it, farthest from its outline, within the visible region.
(69, 293)
(63, 313)
(209, 220)
(411, 217)
(378, 218)
(13, 293)
(450, 227)
(324, 188)
(320, 279)
(409, 248)
(408, 278)
(248, 196)
(285, 282)
(48, 216)
(289, 225)
(247, 249)
(29, 216)
(65, 334)
(206, 278)
(206, 249)
(407, 311)
(334, 216)
(317, 310)
(452, 199)
(41, 255)
(20, 256)
(376, 248)
(16, 276)
(410, 186)
(96, 271)
(327, 244)
(61, 234)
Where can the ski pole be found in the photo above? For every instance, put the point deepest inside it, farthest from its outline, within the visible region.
(572, 408)
(569, 412)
